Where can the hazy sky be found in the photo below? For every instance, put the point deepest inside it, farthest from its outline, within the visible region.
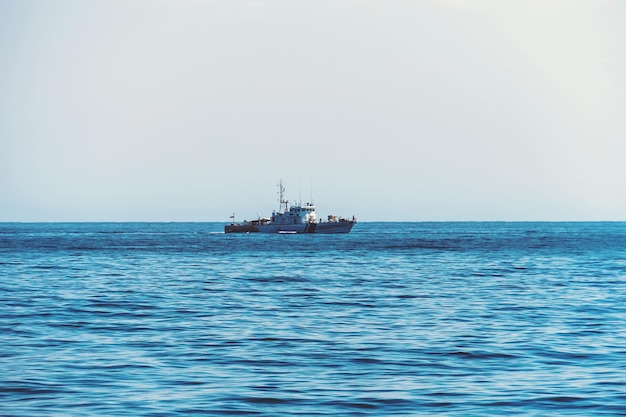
(189, 110)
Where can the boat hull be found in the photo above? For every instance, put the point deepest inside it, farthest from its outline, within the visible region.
(323, 228)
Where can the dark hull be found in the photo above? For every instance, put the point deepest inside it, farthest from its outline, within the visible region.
(344, 226)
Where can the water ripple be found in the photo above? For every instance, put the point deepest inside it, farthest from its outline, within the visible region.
(175, 319)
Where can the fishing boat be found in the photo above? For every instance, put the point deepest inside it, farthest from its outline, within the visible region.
(292, 219)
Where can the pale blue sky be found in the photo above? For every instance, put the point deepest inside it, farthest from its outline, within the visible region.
(189, 110)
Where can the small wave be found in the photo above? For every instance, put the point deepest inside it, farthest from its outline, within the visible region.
(481, 355)
(265, 400)
(29, 389)
(389, 405)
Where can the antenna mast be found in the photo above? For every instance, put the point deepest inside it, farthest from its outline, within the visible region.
(281, 194)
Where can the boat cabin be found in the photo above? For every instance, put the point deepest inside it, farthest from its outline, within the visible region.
(297, 214)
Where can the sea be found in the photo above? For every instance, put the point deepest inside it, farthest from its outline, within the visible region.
(393, 319)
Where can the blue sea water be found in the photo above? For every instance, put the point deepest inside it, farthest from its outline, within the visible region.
(451, 319)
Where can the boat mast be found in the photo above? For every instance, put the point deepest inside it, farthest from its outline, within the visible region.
(281, 194)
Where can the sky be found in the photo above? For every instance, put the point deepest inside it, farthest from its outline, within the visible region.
(394, 110)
